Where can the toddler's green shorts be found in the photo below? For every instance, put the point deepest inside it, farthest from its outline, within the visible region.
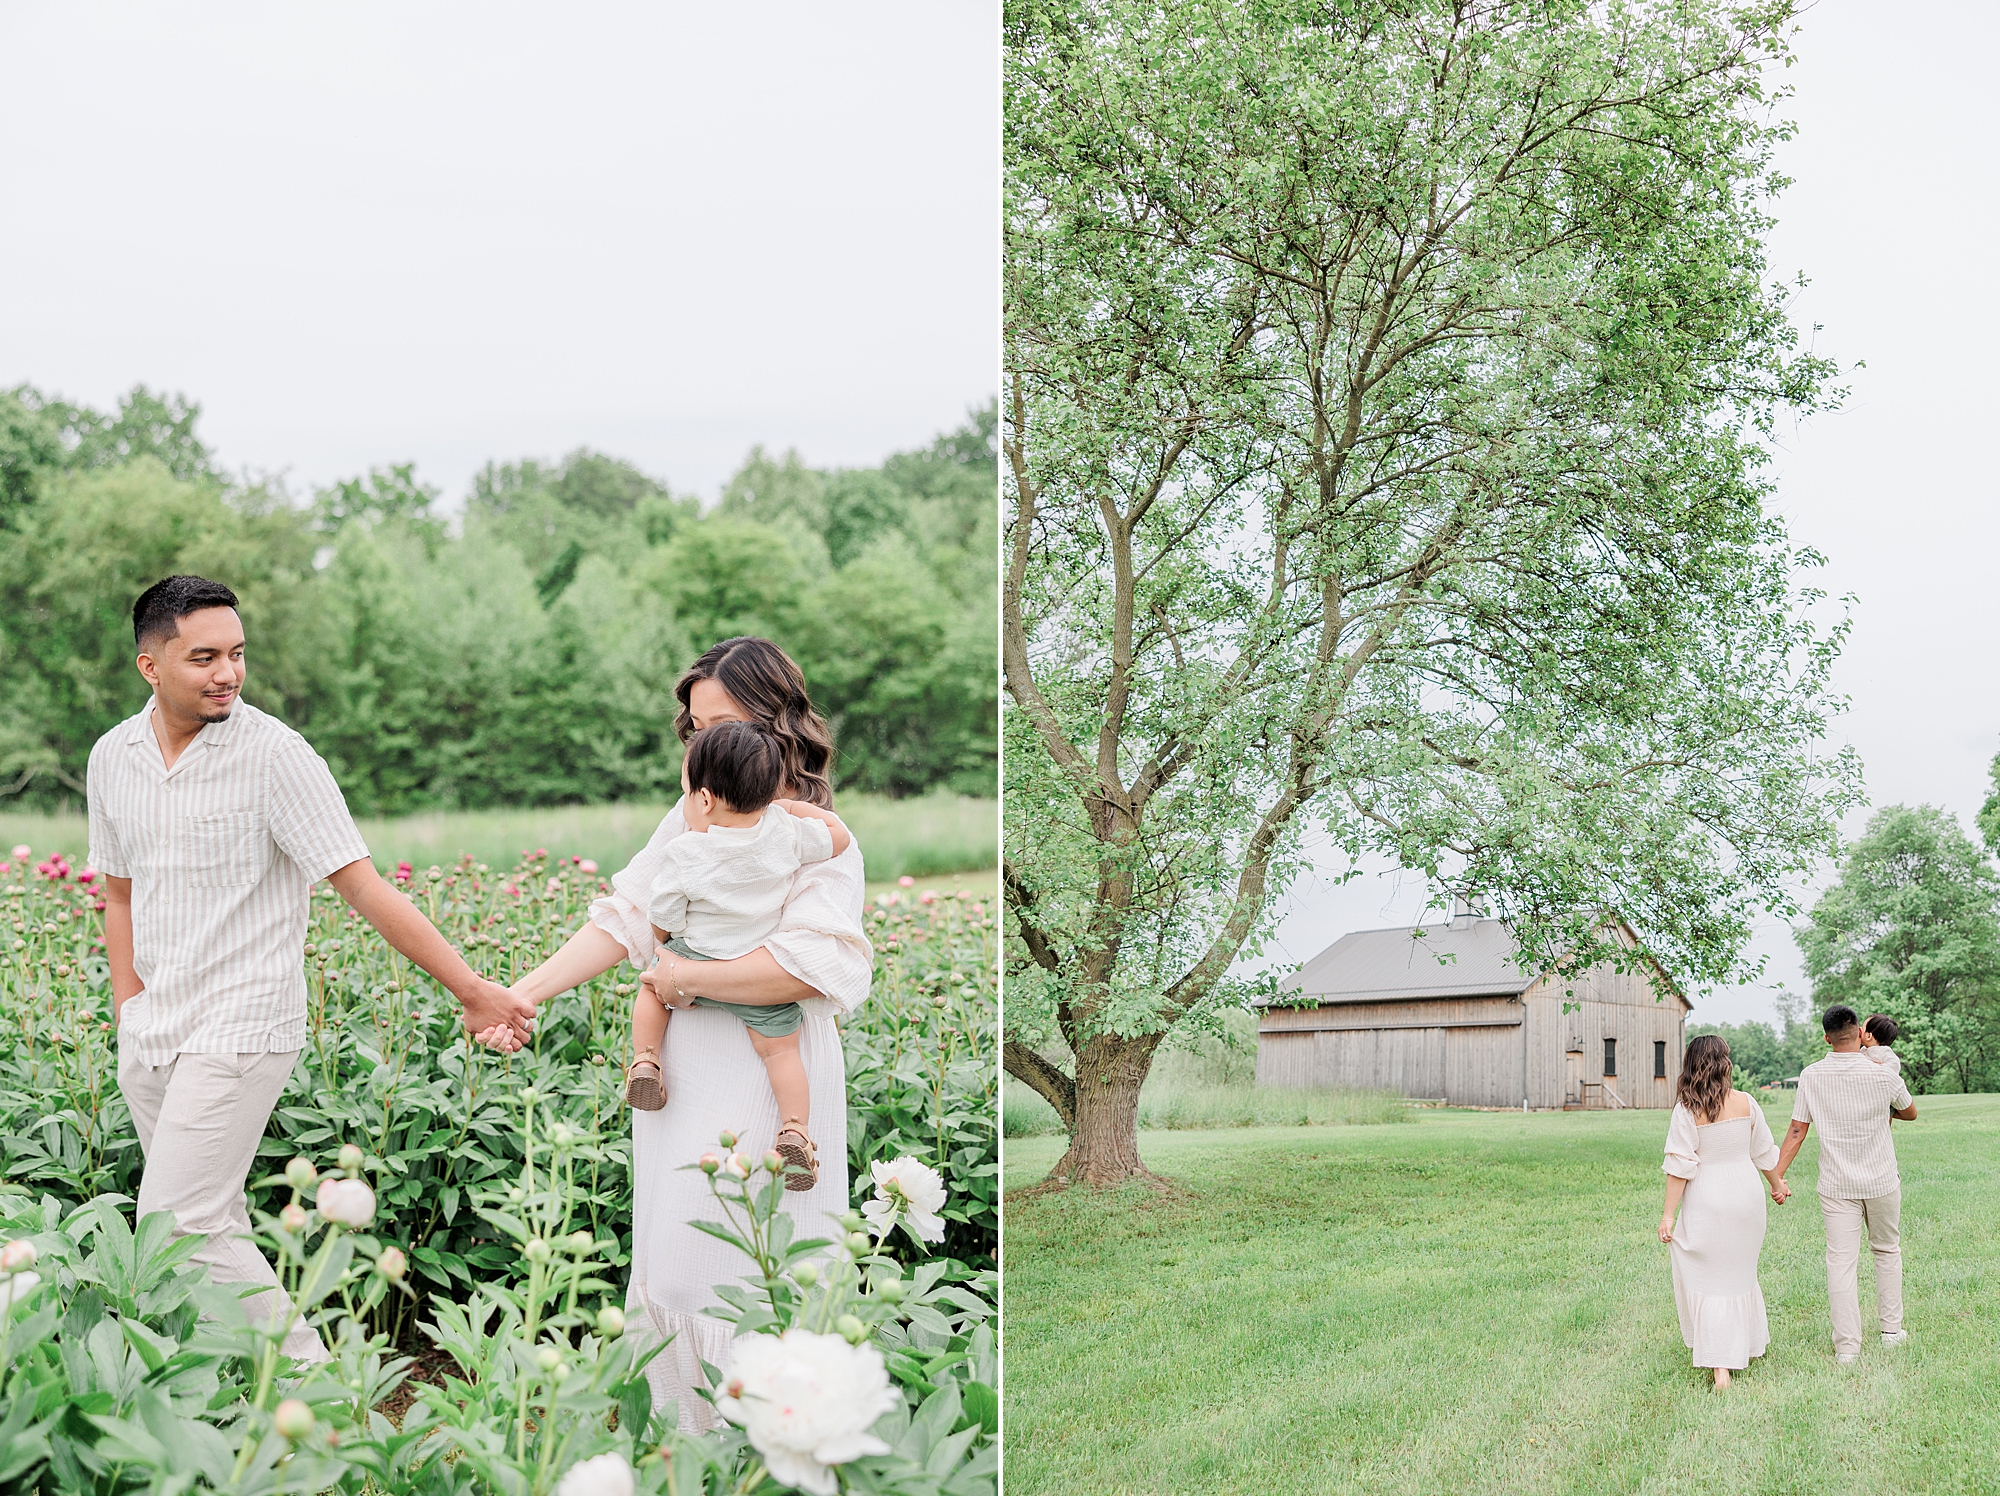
(772, 1020)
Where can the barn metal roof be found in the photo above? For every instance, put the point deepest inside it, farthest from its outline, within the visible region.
(1460, 958)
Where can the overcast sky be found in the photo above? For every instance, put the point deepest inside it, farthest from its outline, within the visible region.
(443, 233)
(1892, 216)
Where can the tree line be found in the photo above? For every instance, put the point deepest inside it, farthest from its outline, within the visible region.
(1910, 928)
(520, 651)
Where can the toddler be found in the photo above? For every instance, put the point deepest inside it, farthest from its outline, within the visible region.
(1877, 1034)
(720, 895)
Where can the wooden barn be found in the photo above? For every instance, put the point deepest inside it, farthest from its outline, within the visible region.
(1442, 1012)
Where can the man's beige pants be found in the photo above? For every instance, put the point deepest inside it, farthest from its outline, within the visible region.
(1846, 1223)
(200, 1118)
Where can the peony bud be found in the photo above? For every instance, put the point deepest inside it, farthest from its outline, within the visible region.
(301, 1174)
(728, 1140)
(892, 1290)
(581, 1241)
(351, 1158)
(850, 1329)
(709, 1163)
(392, 1264)
(611, 1322)
(530, 1095)
(858, 1243)
(293, 1419)
(514, 1194)
(537, 1249)
(853, 1220)
(548, 1358)
(17, 1256)
(773, 1163)
(292, 1218)
(347, 1202)
(736, 1166)
(805, 1275)
(561, 1136)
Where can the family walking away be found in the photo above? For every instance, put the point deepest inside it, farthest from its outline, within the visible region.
(1718, 1143)
(212, 821)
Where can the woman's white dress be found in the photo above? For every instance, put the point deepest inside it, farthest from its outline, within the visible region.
(715, 1082)
(1720, 1234)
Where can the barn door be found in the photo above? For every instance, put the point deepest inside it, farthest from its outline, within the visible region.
(1573, 1078)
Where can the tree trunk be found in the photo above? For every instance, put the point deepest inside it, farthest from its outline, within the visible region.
(1104, 1137)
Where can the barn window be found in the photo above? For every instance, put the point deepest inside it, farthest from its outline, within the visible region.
(1610, 1057)
(1659, 1059)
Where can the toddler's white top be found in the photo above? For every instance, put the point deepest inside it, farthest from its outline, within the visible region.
(723, 890)
(1882, 1054)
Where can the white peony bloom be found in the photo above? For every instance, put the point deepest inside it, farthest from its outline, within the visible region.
(15, 1287)
(17, 1255)
(347, 1202)
(603, 1475)
(922, 1198)
(807, 1403)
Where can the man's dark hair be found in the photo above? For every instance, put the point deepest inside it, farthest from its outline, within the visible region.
(161, 607)
(737, 762)
(1881, 1028)
(1839, 1019)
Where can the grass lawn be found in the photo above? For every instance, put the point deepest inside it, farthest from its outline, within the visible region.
(923, 836)
(1478, 1303)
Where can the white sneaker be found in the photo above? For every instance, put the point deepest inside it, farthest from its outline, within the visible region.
(1901, 1337)
(1847, 1358)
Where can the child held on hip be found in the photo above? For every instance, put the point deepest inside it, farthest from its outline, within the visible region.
(721, 895)
(1877, 1034)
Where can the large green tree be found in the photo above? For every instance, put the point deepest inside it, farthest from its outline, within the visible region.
(1912, 929)
(1384, 393)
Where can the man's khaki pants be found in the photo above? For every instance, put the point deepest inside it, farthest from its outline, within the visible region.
(1846, 1222)
(200, 1118)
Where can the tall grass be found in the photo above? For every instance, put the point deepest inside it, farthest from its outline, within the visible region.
(918, 837)
(1212, 1083)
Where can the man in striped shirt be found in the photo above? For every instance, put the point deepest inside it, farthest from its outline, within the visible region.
(1851, 1099)
(211, 822)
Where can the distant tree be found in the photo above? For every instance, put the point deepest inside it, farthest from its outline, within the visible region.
(1384, 389)
(1989, 813)
(1761, 1054)
(39, 434)
(1912, 929)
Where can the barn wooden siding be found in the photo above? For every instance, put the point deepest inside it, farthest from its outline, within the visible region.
(1484, 1051)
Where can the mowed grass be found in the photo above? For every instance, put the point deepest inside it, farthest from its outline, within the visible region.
(1478, 1303)
(922, 836)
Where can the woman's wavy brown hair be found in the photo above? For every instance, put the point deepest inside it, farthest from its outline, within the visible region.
(1705, 1076)
(762, 679)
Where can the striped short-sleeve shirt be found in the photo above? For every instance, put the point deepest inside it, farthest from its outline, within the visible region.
(223, 850)
(1846, 1098)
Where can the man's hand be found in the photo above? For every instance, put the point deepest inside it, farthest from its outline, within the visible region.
(1780, 1191)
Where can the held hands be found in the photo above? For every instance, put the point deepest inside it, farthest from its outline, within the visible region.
(497, 1017)
(1780, 1191)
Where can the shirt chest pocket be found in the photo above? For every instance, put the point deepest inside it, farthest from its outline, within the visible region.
(224, 851)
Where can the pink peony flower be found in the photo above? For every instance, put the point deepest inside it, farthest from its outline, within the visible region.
(22, 851)
(906, 881)
(584, 864)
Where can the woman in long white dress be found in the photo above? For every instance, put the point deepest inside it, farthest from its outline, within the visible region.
(1717, 1144)
(819, 958)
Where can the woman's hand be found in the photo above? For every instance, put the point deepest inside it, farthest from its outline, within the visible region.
(661, 982)
(1780, 1191)
(1666, 1228)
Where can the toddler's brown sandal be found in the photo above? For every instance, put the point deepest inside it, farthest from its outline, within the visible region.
(800, 1156)
(645, 1083)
